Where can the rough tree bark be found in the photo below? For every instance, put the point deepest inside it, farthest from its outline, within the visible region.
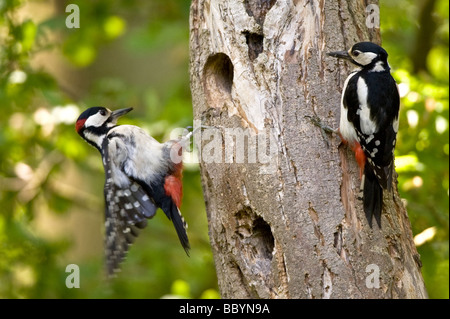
(290, 226)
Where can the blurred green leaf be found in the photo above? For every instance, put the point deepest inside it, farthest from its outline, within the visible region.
(114, 26)
(181, 288)
(210, 294)
(81, 55)
(438, 62)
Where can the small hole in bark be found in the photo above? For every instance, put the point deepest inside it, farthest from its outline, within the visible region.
(338, 240)
(262, 232)
(254, 43)
(218, 79)
(255, 234)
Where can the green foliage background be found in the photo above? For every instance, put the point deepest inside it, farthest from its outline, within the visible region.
(135, 53)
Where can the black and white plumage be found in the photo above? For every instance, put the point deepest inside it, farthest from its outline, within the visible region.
(369, 121)
(141, 174)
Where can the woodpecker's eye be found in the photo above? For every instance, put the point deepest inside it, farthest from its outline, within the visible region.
(102, 112)
(356, 53)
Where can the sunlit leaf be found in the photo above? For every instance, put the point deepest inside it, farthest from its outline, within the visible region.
(28, 33)
(408, 163)
(114, 26)
(210, 294)
(438, 63)
(181, 288)
(83, 55)
(441, 124)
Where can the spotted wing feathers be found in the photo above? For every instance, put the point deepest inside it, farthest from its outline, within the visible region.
(127, 211)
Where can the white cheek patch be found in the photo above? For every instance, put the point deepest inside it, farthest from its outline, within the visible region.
(368, 127)
(365, 58)
(95, 120)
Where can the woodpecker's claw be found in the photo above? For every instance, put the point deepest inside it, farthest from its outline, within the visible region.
(324, 129)
(317, 122)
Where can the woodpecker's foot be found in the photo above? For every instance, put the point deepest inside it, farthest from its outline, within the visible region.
(318, 122)
(323, 128)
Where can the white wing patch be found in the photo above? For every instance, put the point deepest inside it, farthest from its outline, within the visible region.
(346, 128)
(368, 127)
(395, 124)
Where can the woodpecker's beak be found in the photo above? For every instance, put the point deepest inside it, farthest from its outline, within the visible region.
(340, 55)
(118, 113)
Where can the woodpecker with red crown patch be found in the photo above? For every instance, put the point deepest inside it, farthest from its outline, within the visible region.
(369, 121)
(142, 175)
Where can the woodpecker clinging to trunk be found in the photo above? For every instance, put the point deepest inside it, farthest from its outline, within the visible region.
(142, 175)
(369, 121)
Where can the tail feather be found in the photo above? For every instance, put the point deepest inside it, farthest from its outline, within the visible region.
(180, 227)
(373, 197)
(174, 214)
(389, 172)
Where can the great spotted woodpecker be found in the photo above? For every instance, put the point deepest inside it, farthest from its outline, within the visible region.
(142, 175)
(369, 121)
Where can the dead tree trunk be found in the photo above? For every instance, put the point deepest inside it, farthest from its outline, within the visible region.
(284, 218)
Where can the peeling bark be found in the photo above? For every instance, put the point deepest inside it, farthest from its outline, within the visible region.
(284, 218)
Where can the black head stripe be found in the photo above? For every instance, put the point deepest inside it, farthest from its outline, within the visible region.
(90, 111)
(369, 47)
